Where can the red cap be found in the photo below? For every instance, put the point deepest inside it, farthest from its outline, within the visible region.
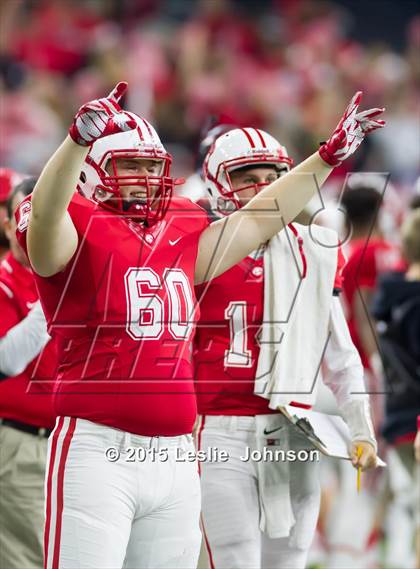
(8, 180)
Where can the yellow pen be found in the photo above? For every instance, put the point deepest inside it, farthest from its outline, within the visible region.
(359, 470)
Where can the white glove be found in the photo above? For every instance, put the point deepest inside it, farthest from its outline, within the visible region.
(350, 132)
(101, 117)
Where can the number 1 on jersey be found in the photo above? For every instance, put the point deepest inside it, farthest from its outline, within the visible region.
(238, 355)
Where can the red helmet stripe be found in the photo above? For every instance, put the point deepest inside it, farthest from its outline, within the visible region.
(140, 132)
(260, 136)
(148, 127)
(249, 137)
(92, 163)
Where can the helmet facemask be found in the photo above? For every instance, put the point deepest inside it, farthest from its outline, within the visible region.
(228, 199)
(155, 189)
(104, 179)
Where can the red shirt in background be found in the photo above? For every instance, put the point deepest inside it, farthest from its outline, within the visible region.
(366, 261)
(22, 398)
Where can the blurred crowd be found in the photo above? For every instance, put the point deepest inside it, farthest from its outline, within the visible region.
(285, 66)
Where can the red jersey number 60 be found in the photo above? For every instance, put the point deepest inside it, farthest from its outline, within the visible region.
(146, 317)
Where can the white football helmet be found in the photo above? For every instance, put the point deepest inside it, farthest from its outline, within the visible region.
(235, 149)
(104, 188)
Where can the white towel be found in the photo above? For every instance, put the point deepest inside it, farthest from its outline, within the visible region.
(294, 333)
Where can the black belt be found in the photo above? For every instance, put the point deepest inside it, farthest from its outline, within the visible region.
(26, 428)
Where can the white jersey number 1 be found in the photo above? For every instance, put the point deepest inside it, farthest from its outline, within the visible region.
(238, 355)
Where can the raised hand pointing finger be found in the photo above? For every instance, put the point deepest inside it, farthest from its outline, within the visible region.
(118, 91)
(350, 132)
(101, 117)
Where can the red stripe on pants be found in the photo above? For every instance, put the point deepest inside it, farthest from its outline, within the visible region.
(60, 489)
(55, 436)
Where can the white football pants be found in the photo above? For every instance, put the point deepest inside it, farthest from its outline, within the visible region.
(135, 506)
(231, 493)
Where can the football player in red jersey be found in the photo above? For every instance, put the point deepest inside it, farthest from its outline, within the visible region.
(354, 537)
(26, 410)
(115, 274)
(263, 513)
(369, 255)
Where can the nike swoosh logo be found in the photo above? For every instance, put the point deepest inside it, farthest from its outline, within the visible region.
(174, 242)
(272, 431)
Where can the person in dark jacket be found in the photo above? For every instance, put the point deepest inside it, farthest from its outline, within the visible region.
(396, 307)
